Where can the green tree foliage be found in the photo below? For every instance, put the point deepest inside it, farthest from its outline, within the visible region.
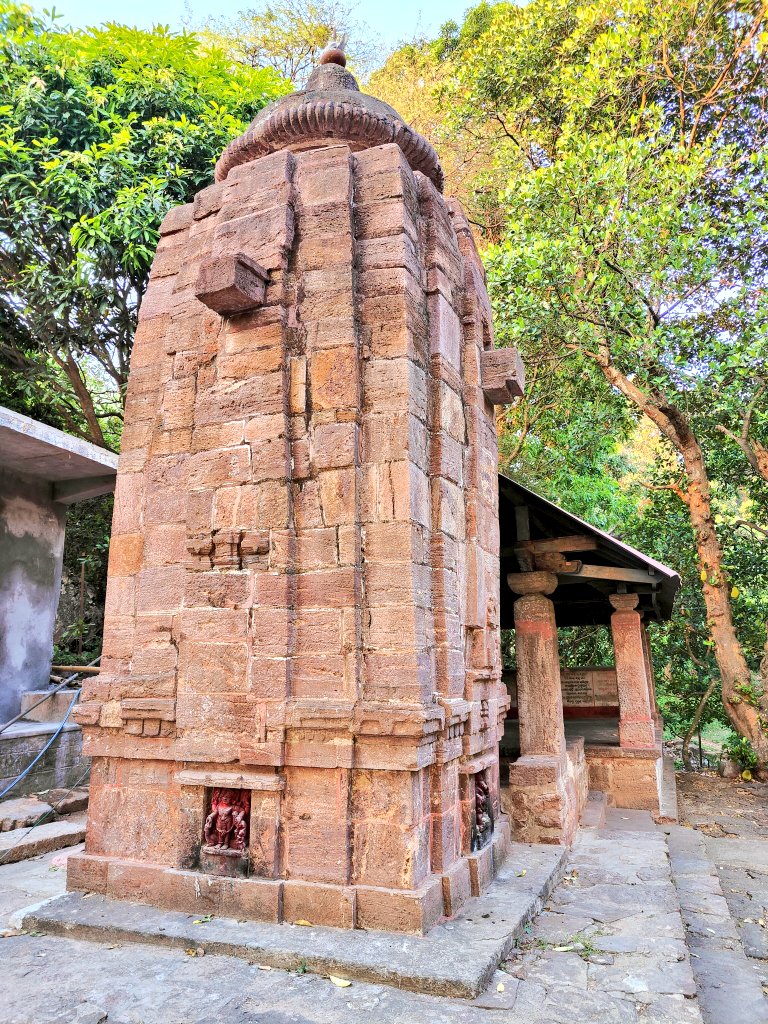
(290, 35)
(634, 255)
(101, 133)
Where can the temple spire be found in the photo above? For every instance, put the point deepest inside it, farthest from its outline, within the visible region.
(329, 110)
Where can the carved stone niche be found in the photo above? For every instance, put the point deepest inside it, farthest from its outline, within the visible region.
(225, 832)
(502, 374)
(482, 826)
(230, 821)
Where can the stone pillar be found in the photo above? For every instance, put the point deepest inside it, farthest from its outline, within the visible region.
(636, 726)
(542, 797)
(539, 696)
(649, 672)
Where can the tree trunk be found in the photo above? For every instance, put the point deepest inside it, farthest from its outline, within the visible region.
(686, 752)
(747, 719)
(72, 370)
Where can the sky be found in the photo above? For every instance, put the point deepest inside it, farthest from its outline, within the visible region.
(392, 21)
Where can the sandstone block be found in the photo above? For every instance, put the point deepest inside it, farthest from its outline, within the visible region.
(86, 873)
(125, 554)
(332, 906)
(177, 219)
(503, 377)
(231, 284)
(251, 898)
(400, 911)
(265, 237)
(334, 379)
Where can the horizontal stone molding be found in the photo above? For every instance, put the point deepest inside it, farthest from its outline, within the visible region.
(148, 707)
(478, 764)
(231, 780)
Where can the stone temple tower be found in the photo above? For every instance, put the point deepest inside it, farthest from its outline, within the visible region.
(299, 704)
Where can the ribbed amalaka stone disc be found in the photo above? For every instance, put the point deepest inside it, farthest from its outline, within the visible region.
(331, 108)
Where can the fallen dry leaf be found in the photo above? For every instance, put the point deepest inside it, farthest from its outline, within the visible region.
(305, 924)
(338, 982)
(500, 987)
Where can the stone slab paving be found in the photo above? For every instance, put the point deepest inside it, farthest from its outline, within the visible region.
(742, 866)
(610, 945)
(729, 984)
(22, 843)
(456, 958)
(27, 882)
(22, 812)
(608, 949)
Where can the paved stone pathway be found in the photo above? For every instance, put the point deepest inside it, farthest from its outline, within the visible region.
(609, 949)
(610, 945)
(742, 865)
(728, 984)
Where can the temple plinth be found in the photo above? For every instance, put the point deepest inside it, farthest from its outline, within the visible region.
(299, 706)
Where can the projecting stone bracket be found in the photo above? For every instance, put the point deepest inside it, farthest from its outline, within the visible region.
(231, 284)
(148, 716)
(502, 374)
(227, 549)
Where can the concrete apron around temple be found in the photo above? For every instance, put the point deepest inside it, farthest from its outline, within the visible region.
(301, 697)
(300, 702)
(577, 729)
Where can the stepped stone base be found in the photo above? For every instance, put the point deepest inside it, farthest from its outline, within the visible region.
(62, 766)
(632, 778)
(291, 900)
(546, 795)
(456, 958)
(24, 843)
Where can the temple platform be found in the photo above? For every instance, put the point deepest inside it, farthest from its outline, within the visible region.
(455, 958)
(632, 778)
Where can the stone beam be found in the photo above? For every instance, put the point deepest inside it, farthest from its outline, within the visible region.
(67, 492)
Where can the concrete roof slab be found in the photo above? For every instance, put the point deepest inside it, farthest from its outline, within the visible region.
(36, 450)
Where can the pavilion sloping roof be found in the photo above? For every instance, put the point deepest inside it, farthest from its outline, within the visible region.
(580, 599)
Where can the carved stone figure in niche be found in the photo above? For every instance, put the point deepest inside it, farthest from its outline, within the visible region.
(226, 827)
(483, 824)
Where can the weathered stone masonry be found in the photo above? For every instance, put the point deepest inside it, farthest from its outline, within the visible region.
(304, 574)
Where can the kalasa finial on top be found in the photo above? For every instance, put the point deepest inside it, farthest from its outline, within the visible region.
(334, 53)
(330, 110)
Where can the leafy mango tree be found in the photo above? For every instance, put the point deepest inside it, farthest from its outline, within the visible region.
(636, 244)
(101, 133)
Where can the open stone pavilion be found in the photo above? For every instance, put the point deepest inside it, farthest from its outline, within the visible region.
(301, 701)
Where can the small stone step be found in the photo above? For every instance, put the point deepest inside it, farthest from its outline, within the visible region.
(66, 801)
(624, 819)
(23, 843)
(51, 710)
(668, 795)
(593, 815)
(22, 812)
